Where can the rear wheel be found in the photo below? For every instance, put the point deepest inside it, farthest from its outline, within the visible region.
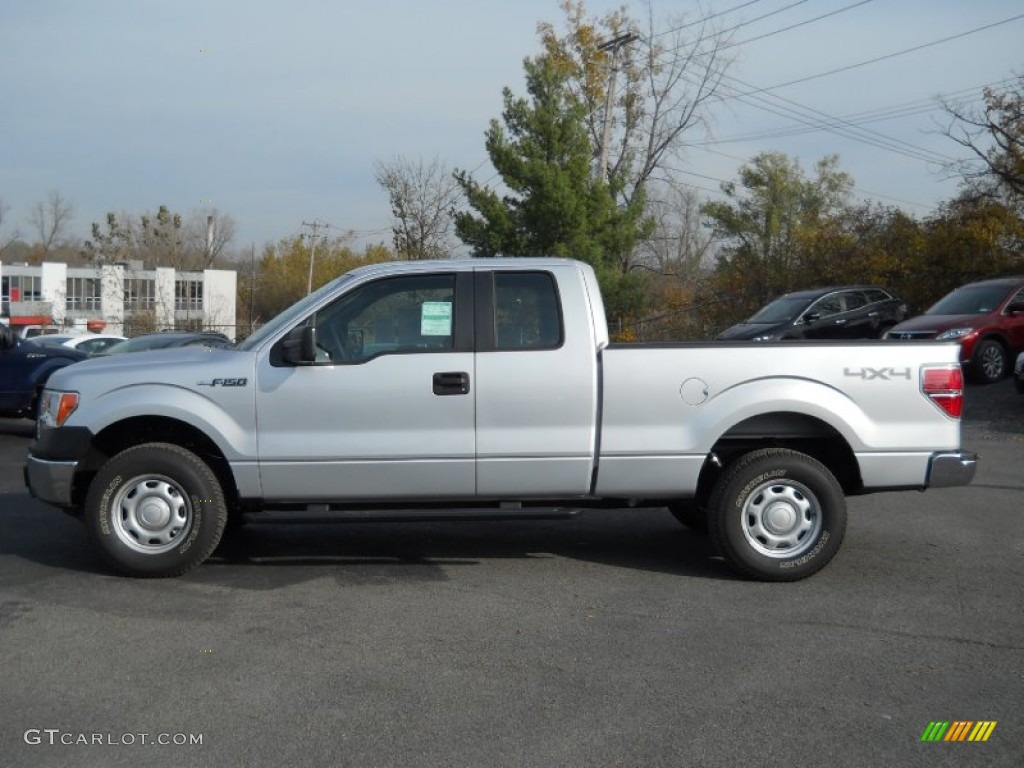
(990, 360)
(155, 510)
(777, 515)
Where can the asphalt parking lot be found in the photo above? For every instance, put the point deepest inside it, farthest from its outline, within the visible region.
(613, 639)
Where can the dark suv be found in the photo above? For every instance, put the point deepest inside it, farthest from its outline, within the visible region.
(24, 368)
(846, 312)
(986, 317)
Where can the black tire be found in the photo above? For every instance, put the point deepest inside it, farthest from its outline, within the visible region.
(807, 509)
(690, 514)
(155, 510)
(990, 362)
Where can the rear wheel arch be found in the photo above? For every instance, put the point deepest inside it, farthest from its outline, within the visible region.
(785, 429)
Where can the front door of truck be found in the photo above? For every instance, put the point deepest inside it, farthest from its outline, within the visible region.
(388, 409)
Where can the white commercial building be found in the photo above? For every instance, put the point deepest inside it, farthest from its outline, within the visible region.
(118, 298)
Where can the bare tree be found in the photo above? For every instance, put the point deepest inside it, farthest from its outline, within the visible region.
(668, 77)
(994, 135)
(49, 220)
(422, 195)
(207, 233)
(7, 240)
(118, 243)
(680, 245)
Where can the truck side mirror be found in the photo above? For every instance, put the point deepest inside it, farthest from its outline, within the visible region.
(298, 347)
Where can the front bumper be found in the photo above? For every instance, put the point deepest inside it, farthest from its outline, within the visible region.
(50, 481)
(951, 468)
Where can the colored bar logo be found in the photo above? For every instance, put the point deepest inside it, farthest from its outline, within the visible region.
(958, 730)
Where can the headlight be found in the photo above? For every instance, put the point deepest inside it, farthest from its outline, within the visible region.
(955, 333)
(55, 408)
(765, 337)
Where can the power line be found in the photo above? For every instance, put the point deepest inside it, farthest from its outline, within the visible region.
(874, 115)
(706, 18)
(794, 26)
(887, 56)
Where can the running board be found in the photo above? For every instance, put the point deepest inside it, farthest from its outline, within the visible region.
(321, 513)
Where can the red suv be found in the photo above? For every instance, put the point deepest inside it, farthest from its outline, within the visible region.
(986, 317)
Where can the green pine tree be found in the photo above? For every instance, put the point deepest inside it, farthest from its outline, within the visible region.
(554, 204)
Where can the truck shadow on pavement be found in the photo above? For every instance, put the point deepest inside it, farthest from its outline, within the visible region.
(264, 556)
(648, 540)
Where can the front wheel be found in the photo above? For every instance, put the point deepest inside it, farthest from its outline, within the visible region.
(155, 510)
(990, 360)
(777, 515)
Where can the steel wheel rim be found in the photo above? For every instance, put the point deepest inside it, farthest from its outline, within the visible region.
(782, 519)
(992, 362)
(151, 514)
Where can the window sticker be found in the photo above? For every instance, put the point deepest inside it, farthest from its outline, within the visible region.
(436, 318)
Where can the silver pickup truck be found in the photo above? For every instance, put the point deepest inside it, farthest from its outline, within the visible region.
(488, 388)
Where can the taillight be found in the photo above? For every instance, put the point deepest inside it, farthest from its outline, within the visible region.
(945, 387)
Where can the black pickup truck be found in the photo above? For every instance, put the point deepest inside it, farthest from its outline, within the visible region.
(24, 368)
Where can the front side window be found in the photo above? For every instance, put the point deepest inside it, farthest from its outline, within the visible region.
(828, 305)
(408, 314)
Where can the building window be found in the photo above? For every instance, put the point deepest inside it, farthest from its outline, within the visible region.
(83, 293)
(22, 288)
(188, 294)
(139, 294)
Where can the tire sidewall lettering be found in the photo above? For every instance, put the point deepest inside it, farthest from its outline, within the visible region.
(810, 555)
(112, 487)
(197, 519)
(744, 496)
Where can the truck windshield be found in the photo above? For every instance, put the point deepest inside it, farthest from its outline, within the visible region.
(978, 300)
(290, 315)
(780, 311)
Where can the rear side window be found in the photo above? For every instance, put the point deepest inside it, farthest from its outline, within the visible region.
(875, 295)
(526, 311)
(854, 300)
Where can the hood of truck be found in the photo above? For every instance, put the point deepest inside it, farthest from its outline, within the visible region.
(747, 331)
(178, 366)
(938, 323)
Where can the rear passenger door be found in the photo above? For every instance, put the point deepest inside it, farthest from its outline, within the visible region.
(858, 322)
(536, 393)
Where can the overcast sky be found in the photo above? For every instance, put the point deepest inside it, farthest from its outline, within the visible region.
(276, 110)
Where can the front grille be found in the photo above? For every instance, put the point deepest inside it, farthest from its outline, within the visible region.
(912, 335)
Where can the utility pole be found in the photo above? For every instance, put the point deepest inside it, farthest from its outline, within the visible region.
(315, 224)
(612, 45)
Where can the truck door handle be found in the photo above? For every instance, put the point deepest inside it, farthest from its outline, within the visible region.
(451, 383)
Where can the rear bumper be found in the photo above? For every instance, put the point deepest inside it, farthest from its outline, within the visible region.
(50, 481)
(951, 468)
